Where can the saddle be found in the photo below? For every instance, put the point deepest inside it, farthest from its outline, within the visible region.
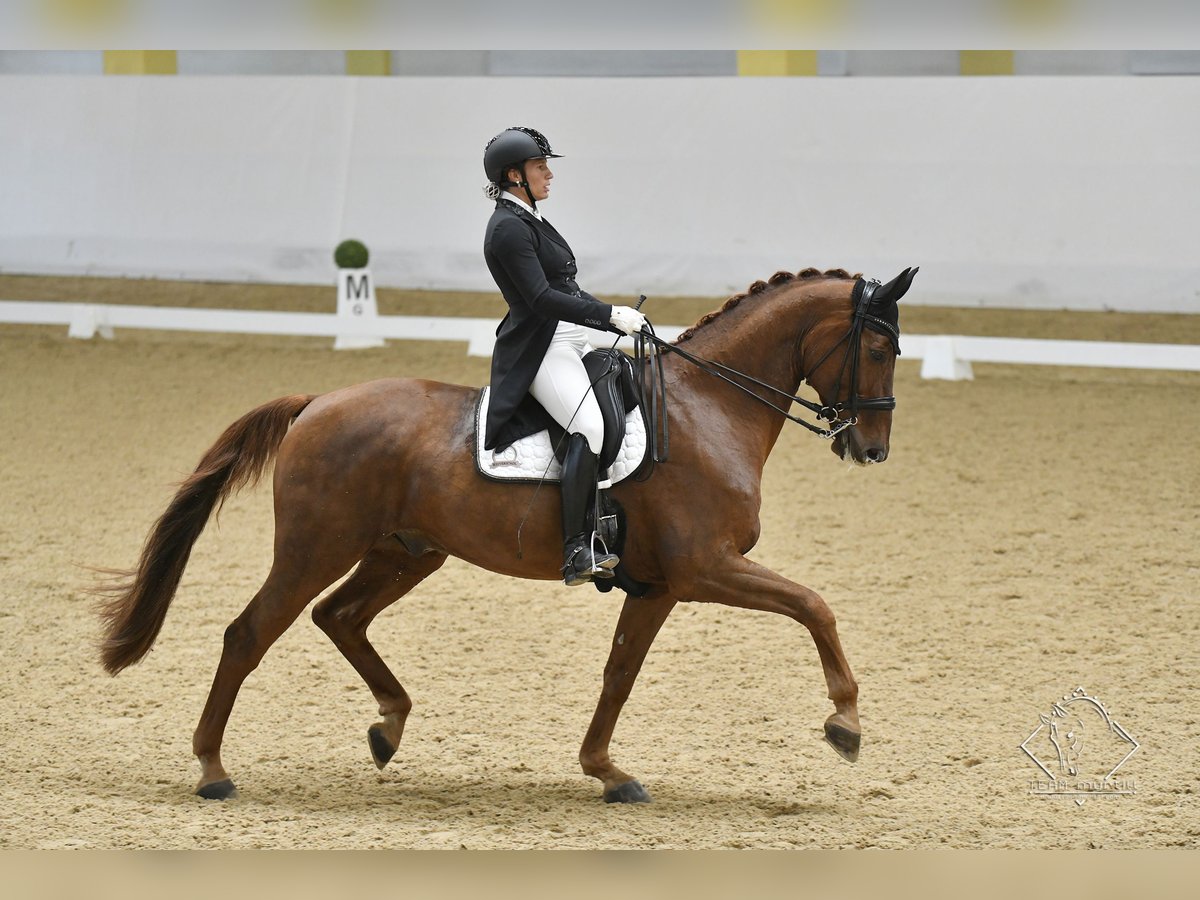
(538, 457)
(615, 386)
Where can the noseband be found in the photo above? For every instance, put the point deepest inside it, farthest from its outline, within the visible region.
(649, 347)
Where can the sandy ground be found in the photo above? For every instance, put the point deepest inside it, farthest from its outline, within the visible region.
(1033, 531)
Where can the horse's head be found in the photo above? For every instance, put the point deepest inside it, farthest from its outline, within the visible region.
(850, 363)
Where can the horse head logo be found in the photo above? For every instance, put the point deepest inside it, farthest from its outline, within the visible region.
(1066, 734)
(1078, 739)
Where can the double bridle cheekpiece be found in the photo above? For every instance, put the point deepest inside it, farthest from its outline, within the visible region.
(864, 293)
(649, 348)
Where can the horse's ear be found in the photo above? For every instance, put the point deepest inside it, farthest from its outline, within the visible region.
(897, 287)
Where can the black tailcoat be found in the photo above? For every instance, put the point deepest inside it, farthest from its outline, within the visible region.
(535, 269)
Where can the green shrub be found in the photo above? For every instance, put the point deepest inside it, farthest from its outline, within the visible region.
(351, 255)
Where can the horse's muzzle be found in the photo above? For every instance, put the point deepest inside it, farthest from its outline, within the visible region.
(847, 447)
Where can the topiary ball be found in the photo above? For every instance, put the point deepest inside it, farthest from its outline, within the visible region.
(351, 255)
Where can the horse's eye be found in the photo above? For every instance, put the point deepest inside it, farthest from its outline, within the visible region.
(877, 355)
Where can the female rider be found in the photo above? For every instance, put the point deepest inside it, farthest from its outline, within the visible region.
(537, 369)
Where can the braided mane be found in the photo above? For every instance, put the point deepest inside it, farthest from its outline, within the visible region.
(759, 287)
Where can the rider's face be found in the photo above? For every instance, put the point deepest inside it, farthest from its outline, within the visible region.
(539, 176)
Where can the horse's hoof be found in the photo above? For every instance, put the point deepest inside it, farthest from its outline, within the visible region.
(629, 792)
(218, 790)
(843, 740)
(381, 750)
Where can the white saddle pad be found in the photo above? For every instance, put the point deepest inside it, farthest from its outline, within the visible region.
(532, 458)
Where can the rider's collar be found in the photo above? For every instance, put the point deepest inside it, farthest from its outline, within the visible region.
(513, 198)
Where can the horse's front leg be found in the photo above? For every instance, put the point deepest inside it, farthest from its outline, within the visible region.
(637, 627)
(736, 581)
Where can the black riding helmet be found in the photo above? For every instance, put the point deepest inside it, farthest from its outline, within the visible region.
(510, 149)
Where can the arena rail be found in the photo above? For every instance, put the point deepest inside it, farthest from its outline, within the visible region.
(943, 356)
(950, 356)
(87, 320)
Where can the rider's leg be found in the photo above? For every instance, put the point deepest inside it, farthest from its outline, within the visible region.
(582, 559)
(563, 389)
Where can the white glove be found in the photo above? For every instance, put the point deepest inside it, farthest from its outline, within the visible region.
(627, 319)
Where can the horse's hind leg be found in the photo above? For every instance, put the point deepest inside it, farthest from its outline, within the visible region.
(274, 608)
(636, 629)
(385, 575)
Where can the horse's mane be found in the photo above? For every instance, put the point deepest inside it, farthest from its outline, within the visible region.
(759, 287)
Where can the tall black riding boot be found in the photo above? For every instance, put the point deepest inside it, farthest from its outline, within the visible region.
(580, 561)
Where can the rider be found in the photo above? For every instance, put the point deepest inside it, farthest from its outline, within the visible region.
(537, 367)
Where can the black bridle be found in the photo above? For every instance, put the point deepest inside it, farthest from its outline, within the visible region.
(649, 349)
(853, 338)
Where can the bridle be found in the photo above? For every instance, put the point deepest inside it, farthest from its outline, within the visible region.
(649, 348)
(853, 339)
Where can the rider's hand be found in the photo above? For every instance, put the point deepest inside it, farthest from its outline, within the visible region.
(627, 320)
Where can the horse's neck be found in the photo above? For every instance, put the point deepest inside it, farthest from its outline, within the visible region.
(760, 338)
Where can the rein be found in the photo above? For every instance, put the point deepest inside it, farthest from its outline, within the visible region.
(648, 348)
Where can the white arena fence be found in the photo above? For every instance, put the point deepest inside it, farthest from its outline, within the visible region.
(943, 356)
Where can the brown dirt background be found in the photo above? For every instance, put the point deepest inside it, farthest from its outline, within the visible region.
(1033, 531)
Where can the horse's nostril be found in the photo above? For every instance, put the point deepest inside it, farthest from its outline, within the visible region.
(876, 454)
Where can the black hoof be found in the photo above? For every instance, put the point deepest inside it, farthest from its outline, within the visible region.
(629, 792)
(218, 790)
(843, 740)
(381, 750)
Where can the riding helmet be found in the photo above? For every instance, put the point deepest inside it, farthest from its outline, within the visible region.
(512, 147)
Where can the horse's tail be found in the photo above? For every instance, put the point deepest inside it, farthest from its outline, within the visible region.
(133, 608)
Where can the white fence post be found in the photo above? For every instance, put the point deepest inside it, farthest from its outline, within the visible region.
(483, 341)
(87, 320)
(941, 360)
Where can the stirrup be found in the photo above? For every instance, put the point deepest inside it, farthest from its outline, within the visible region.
(577, 571)
(604, 561)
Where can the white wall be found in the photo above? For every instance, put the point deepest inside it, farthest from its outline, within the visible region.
(1076, 192)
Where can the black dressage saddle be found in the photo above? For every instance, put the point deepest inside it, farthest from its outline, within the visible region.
(615, 386)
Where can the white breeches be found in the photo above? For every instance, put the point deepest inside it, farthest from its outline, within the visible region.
(562, 382)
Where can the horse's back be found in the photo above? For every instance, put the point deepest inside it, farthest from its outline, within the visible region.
(385, 419)
(389, 399)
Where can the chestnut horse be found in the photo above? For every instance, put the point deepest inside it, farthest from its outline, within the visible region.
(381, 475)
